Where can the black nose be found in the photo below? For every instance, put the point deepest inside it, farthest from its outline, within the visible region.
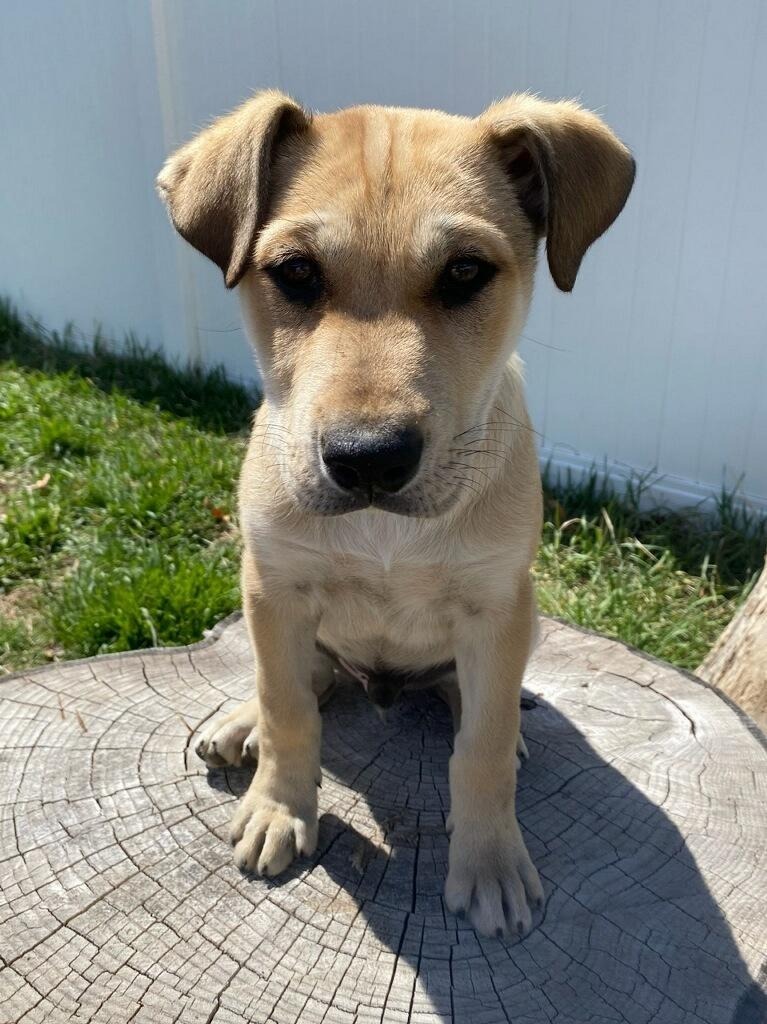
(384, 459)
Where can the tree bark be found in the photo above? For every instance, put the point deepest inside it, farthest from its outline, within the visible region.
(642, 805)
(737, 663)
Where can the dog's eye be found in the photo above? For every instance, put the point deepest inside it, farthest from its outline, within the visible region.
(298, 278)
(462, 279)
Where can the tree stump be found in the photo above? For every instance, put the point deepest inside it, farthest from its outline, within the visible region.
(643, 806)
(737, 663)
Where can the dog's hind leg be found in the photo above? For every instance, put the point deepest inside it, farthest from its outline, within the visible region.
(233, 739)
(450, 693)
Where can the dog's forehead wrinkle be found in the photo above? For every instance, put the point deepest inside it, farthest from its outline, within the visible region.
(384, 189)
(376, 144)
(381, 165)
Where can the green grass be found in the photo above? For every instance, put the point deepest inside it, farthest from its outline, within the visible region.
(204, 397)
(665, 582)
(116, 512)
(117, 519)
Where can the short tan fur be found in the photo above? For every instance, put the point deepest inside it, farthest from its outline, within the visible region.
(355, 239)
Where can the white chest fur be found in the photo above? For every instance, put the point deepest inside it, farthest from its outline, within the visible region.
(386, 589)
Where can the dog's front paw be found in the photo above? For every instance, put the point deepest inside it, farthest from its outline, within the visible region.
(231, 740)
(492, 879)
(268, 834)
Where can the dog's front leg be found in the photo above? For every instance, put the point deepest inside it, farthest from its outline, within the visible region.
(491, 876)
(277, 818)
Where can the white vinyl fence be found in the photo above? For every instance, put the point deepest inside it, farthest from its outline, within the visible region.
(659, 357)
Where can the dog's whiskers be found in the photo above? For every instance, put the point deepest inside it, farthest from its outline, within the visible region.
(488, 425)
(478, 452)
(516, 422)
(462, 481)
(268, 427)
(499, 427)
(471, 469)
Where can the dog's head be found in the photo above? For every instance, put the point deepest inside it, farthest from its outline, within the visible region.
(385, 261)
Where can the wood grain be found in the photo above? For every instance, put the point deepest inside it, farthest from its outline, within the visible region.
(643, 805)
(737, 663)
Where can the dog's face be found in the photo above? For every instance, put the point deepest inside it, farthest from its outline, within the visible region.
(385, 259)
(388, 285)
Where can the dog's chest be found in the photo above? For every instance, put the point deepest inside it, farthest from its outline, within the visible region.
(386, 590)
(400, 616)
(391, 593)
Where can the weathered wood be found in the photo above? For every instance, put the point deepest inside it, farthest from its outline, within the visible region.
(737, 663)
(643, 805)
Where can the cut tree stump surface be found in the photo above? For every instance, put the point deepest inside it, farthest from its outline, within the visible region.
(643, 804)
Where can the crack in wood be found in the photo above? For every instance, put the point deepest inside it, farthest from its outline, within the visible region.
(120, 901)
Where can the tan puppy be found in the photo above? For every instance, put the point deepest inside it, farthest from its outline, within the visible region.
(390, 499)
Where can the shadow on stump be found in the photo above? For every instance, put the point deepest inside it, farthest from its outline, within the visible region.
(630, 932)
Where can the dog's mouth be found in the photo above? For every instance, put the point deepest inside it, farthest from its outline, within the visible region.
(421, 500)
(431, 494)
(331, 504)
(407, 504)
(398, 475)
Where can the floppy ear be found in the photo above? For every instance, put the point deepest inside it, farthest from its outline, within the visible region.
(572, 175)
(216, 186)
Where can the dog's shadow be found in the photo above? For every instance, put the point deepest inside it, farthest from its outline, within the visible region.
(630, 931)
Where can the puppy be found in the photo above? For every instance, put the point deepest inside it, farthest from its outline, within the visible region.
(390, 499)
